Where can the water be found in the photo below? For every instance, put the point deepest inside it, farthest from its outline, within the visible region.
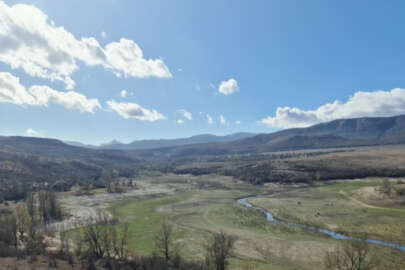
(335, 235)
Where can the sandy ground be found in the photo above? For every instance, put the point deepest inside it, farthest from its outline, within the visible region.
(84, 208)
(377, 198)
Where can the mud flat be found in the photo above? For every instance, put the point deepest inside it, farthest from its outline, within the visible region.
(82, 209)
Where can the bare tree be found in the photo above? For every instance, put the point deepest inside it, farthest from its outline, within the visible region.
(23, 220)
(53, 207)
(219, 251)
(354, 255)
(103, 240)
(164, 241)
(94, 238)
(386, 187)
(30, 202)
(120, 243)
(9, 231)
(64, 241)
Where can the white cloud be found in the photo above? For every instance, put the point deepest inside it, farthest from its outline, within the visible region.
(133, 110)
(222, 120)
(103, 35)
(228, 87)
(187, 115)
(124, 93)
(361, 104)
(237, 122)
(29, 42)
(180, 121)
(31, 132)
(125, 56)
(11, 91)
(209, 119)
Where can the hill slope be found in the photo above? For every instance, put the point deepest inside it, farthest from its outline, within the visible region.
(337, 133)
(57, 150)
(356, 131)
(27, 161)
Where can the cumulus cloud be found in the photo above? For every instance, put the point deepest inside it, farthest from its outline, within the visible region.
(133, 110)
(28, 41)
(209, 119)
(31, 132)
(180, 121)
(228, 87)
(11, 91)
(187, 115)
(222, 120)
(361, 104)
(124, 93)
(103, 35)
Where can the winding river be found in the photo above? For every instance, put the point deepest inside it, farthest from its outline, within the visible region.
(335, 235)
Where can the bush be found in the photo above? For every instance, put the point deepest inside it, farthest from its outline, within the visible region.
(354, 255)
(219, 251)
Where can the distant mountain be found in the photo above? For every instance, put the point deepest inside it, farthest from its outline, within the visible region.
(342, 132)
(79, 144)
(109, 144)
(364, 131)
(163, 143)
(59, 151)
(338, 133)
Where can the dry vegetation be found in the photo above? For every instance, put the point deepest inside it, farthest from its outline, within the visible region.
(195, 210)
(304, 166)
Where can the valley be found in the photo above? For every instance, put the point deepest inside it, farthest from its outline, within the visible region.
(198, 206)
(202, 135)
(81, 201)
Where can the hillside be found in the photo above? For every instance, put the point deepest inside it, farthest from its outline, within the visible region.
(337, 133)
(356, 131)
(26, 161)
(57, 150)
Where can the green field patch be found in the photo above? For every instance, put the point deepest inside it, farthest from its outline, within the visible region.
(144, 219)
(350, 185)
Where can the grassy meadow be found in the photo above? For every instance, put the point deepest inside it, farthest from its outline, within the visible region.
(206, 204)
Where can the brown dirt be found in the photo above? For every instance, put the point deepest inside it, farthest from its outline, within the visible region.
(41, 263)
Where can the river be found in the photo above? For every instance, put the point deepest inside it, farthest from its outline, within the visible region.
(335, 235)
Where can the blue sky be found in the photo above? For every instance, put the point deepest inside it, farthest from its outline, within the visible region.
(281, 64)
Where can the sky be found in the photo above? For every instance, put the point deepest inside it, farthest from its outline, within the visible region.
(94, 71)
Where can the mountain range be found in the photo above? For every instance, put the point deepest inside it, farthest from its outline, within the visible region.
(49, 159)
(163, 143)
(342, 132)
(365, 131)
(338, 133)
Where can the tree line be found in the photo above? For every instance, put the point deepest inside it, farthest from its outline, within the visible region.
(100, 244)
(21, 231)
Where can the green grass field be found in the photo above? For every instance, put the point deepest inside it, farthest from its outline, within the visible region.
(203, 205)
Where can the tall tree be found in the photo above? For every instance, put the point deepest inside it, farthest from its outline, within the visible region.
(219, 251)
(164, 241)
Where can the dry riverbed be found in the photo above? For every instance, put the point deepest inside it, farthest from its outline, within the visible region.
(82, 209)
